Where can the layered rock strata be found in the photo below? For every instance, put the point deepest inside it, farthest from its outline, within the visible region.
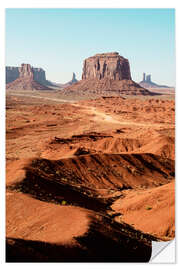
(106, 65)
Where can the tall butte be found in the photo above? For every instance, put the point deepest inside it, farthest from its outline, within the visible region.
(26, 80)
(107, 73)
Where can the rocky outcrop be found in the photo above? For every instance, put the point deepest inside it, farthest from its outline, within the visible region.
(146, 82)
(106, 74)
(106, 65)
(38, 74)
(25, 71)
(74, 80)
(27, 79)
(12, 73)
(64, 85)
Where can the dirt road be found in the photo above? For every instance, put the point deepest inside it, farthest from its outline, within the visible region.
(97, 115)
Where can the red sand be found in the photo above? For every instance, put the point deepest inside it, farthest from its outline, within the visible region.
(109, 152)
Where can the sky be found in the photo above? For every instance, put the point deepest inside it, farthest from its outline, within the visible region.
(58, 40)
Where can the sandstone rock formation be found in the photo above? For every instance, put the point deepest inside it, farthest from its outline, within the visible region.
(64, 85)
(12, 73)
(28, 78)
(106, 65)
(106, 74)
(25, 71)
(39, 75)
(74, 80)
(146, 82)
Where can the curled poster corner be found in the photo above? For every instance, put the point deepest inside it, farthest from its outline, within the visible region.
(163, 252)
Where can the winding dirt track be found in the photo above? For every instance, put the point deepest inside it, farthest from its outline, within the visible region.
(101, 116)
(97, 115)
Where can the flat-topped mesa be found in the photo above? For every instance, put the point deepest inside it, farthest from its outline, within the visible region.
(39, 75)
(12, 73)
(26, 78)
(106, 65)
(106, 74)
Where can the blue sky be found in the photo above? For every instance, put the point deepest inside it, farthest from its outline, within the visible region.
(58, 40)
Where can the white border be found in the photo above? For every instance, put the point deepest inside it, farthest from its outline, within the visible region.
(75, 4)
(2, 135)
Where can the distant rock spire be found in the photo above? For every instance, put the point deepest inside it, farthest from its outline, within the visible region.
(74, 77)
(148, 78)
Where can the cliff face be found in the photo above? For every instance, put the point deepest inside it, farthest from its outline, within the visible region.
(38, 74)
(27, 78)
(106, 74)
(25, 71)
(106, 65)
(12, 73)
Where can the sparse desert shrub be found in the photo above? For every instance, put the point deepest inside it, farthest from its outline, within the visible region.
(63, 203)
(148, 207)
